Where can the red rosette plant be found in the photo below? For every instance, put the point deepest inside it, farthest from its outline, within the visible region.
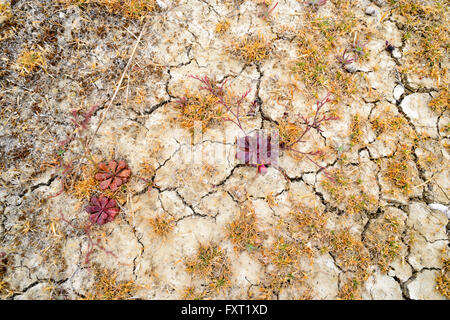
(112, 175)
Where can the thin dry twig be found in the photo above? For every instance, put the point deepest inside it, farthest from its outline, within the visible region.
(120, 82)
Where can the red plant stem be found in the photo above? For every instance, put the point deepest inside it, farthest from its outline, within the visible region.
(307, 155)
(91, 244)
(268, 12)
(315, 123)
(209, 87)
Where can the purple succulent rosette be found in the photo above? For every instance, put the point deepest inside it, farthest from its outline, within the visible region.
(259, 150)
(102, 210)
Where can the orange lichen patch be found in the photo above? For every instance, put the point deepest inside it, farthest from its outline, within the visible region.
(399, 171)
(355, 130)
(244, 233)
(441, 102)
(350, 290)
(133, 9)
(388, 123)
(211, 264)
(162, 225)
(30, 61)
(384, 242)
(350, 252)
(222, 26)
(191, 293)
(426, 32)
(251, 48)
(83, 185)
(348, 191)
(196, 108)
(307, 223)
(107, 287)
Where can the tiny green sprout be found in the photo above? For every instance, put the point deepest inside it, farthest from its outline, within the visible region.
(61, 152)
(250, 247)
(220, 282)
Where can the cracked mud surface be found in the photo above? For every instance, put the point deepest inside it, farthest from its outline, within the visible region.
(366, 233)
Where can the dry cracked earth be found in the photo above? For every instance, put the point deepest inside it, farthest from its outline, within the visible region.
(85, 82)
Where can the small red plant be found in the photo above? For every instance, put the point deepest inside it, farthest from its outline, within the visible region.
(113, 174)
(312, 124)
(345, 60)
(251, 149)
(102, 210)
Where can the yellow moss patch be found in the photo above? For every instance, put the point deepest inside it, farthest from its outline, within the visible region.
(316, 66)
(30, 61)
(388, 123)
(350, 252)
(425, 26)
(288, 133)
(133, 9)
(212, 264)
(84, 185)
(348, 189)
(251, 48)
(306, 223)
(441, 102)
(107, 287)
(191, 293)
(283, 258)
(196, 108)
(398, 171)
(384, 242)
(222, 26)
(162, 225)
(350, 290)
(243, 232)
(355, 130)
(443, 279)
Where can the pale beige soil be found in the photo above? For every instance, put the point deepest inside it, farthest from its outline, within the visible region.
(86, 50)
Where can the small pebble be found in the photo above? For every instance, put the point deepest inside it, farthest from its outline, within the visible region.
(379, 3)
(161, 4)
(370, 11)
